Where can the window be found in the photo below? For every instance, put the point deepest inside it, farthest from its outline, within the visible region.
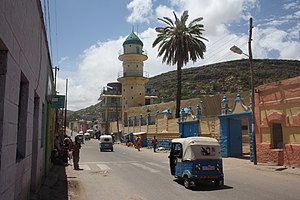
(277, 137)
(22, 118)
(3, 69)
(177, 148)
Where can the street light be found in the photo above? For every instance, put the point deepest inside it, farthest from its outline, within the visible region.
(237, 50)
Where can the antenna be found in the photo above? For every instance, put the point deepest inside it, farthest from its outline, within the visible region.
(137, 29)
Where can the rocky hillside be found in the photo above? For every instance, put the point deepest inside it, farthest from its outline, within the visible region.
(219, 78)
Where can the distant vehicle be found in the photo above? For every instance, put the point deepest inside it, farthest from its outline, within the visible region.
(195, 160)
(87, 136)
(106, 143)
(91, 132)
(80, 136)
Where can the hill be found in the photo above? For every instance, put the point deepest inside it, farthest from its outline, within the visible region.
(219, 78)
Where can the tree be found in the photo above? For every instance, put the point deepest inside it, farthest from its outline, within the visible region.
(179, 44)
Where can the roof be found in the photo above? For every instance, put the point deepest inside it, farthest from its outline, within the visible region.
(133, 39)
(139, 133)
(105, 136)
(192, 148)
(196, 140)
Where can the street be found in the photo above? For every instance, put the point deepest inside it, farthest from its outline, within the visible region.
(129, 174)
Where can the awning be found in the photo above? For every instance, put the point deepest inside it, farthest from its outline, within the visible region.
(139, 133)
(127, 134)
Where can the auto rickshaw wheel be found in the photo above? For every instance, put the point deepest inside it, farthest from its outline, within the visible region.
(186, 182)
(219, 182)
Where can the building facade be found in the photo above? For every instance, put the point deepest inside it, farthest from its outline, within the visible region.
(278, 122)
(26, 84)
(133, 78)
(110, 106)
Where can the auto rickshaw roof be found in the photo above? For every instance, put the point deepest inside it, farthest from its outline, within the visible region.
(105, 136)
(192, 147)
(196, 140)
(139, 133)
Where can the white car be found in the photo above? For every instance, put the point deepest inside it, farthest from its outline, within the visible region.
(87, 136)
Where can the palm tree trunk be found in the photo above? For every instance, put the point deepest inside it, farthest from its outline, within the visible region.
(178, 95)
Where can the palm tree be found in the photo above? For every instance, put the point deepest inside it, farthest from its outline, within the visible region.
(179, 44)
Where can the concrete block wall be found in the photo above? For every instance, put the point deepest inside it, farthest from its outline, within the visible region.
(23, 37)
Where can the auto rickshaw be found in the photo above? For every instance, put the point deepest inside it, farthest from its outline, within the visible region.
(106, 142)
(195, 160)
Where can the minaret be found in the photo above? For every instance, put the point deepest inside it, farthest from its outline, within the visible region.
(132, 79)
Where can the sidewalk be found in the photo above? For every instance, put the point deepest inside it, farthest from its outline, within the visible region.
(262, 166)
(61, 183)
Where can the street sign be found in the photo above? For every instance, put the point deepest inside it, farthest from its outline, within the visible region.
(58, 101)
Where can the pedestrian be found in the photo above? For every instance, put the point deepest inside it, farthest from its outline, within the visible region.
(154, 143)
(75, 152)
(138, 143)
(66, 148)
(57, 143)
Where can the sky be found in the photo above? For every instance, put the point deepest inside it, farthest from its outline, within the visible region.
(85, 37)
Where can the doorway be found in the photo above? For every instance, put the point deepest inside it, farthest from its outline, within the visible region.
(235, 135)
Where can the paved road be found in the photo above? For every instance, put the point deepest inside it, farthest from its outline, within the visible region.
(129, 174)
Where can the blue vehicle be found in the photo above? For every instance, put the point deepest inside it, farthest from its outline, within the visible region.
(195, 160)
(106, 143)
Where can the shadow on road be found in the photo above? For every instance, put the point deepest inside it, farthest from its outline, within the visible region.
(205, 186)
(55, 185)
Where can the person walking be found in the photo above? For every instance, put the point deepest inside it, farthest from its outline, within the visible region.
(154, 143)
(138, 143)
(75, 152)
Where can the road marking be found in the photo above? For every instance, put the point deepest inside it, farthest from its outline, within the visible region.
(117, 162)
(85, 167)
(103, 167)
(156, 165)
(144, 167)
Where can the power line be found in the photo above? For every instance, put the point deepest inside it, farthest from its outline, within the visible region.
(55, 10)
(49, 32)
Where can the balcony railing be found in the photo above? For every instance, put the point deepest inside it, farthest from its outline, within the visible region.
(133, 74)
(122, 52)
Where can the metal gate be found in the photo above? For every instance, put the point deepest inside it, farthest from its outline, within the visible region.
(231, 134)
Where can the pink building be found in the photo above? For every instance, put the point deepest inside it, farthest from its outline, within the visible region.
(278, 122)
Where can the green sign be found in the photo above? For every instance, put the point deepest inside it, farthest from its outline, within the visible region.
(58, 101)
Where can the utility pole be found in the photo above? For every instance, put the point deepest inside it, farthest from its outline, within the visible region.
(252, 91)
(66, 100)
(55, 74)
(117, 112)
